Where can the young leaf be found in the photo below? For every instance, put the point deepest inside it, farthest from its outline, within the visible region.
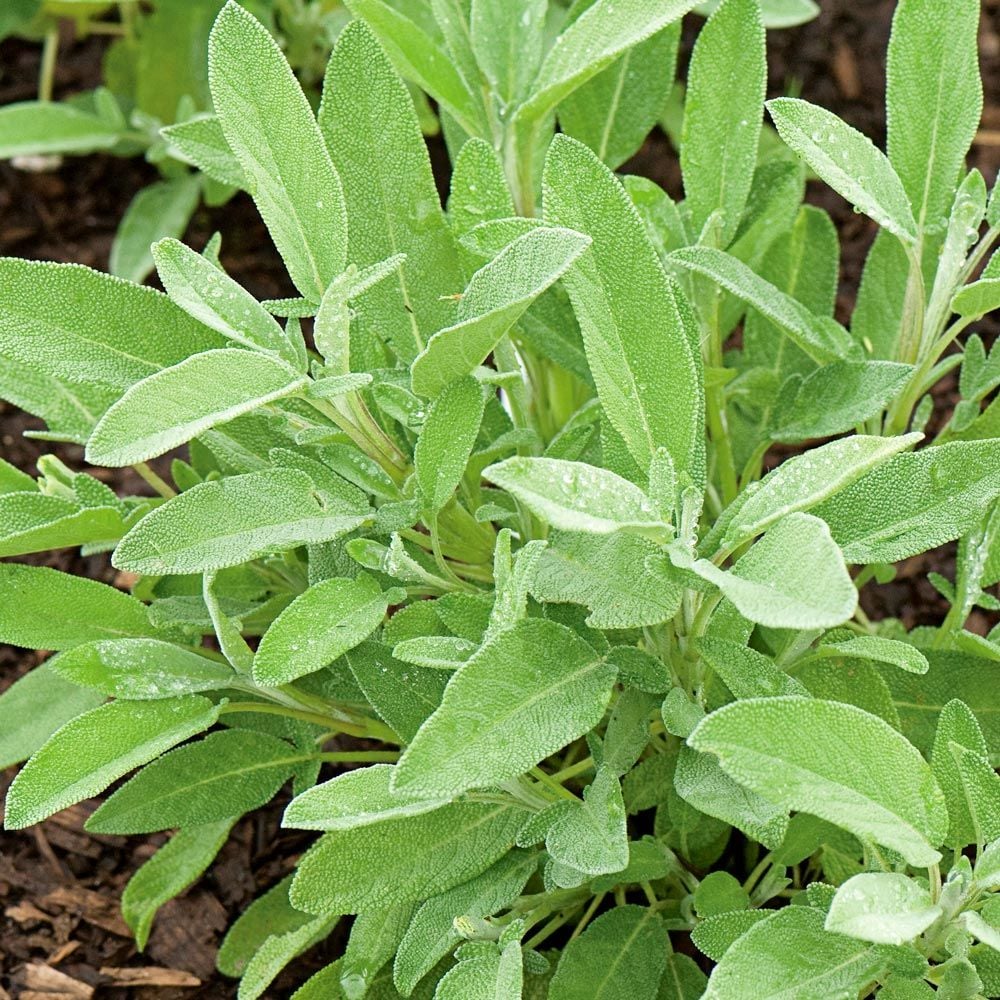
(573, 496)
(87, 610)
(592, 836)
(818, 336)
(270, 127)
(34, 522)
(723, 114)
(200, 142)
(95, 749)
(882, 907)
(642, 362)
(374, 140)
(507, 42)
(847, 161)
(174, 867)
(934, 98)
(356, 798)
(141, 669)
(914, 502)
(373, 941)
(621, 954)
(493, 723)
(793, 577)
(177, 404)
(405, 859)
(446, 441)
(231, 521)
(209, 295)
(41, 128)
(495, 299)
(224, 775)
(790, 955)
(834, 761)
(320, 625)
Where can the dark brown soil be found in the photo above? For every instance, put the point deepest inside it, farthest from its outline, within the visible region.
(59, 887)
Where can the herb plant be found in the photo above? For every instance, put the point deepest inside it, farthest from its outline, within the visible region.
(488, 534)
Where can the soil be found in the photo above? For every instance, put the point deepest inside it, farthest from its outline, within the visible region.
(61, 934)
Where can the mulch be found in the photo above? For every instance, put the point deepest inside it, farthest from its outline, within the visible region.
(61, 934)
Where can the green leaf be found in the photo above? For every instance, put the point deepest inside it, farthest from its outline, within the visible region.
(836, 398)
(231, 521)
(646, 374)
(746, 672)
(320, 625)
(682, 979)
(356, 798)
(613, 112)
(793, 577)
(90, 752)
(174, 867)
(847, 161)
(277, 951)
(789, 956)
(200, 142)
(882, 907)
(934, 98)
(373, 941)
(87, 609)
(591, 836)
(591, 43)
(177, 404)
(495, 299)
(160, 210)
(723, 113)
(493, 723)
(507, 42)
(820, 337)
(141, 669)
(573, 496)
(621, 954)
(43, 128)
(419, 57)
(34, 522)
(431, 934)
(374, 139)
(804, 481)
(977, 299)
(446, 441)
(607, 574)
(34, 707)
(224, 775)
(271, 129)
(834, 761)
(914, 502)
(208, 294)
(406, 859)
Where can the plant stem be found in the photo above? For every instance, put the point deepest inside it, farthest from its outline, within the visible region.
(153, 479)
(587, 916)
(333, 725)
(47, 73)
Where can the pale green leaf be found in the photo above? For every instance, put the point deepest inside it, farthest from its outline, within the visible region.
(200, 142)
(231, 521)
(495, 299)
(89, 753)
(574, 496)
(834, 761)
(44, 128)
(46, 609)
(847, 161)
(320, 625)
(642, 361)
(723, 113)
(177, 404)
(141, 669)
(270, 127)
(882, 907)
(507, 40)
(34, 522)
(404, 859)
(591, 836)
(536, 687)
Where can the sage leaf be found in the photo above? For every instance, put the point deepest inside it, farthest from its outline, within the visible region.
(493, 722)
(883, 907)
(591, 836)
(93, 750)
(792, 751)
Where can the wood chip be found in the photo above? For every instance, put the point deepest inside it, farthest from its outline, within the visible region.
(27, 913)
(845, 72)
(151, 975)
(48, 982)
(63, 952)
(101, 911)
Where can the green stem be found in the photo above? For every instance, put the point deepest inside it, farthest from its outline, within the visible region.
(574, 770)
(549, 782)
(335, 726)
(153, 479)
(587, 916)
(47, 73)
